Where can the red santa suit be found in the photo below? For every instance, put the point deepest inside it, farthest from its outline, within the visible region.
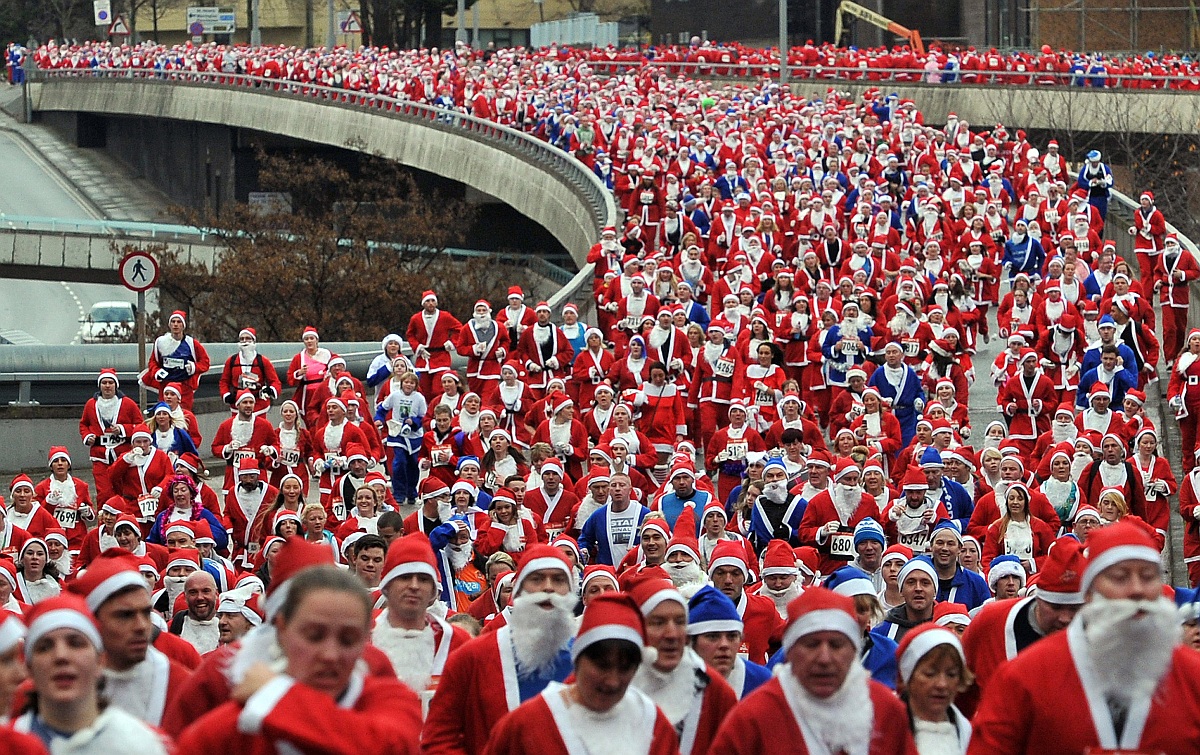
(432, 337)
(821, 512)
(543, 726)
(765, 724)
(287, 715)
(330, 444)
(1030, 408)
(120, 412)
(484, 356)
(141, 484)
(237, 440)
(1050, 688)
(250, 372)
(67, 501)
(307, 373)
(588, 371)
(247, 511)
(544, 352)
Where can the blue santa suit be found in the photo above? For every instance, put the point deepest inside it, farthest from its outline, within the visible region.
(750, 675)
(595, 536)
(837, 362)
(729, 189)
(1097, 195)
(954, 497)
(180, 442)
(761, 532)
(1117, 388)
(1091, 358)
(1026, 257)
(907, 400)
(1092, 288)
(671, 506)
(697, 313)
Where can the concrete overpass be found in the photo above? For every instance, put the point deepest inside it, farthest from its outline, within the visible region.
(554, 189)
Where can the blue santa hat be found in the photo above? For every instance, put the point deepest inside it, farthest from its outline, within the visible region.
(931, 458)
(1093, 155)
(711, 610)
(465, 460)
(161, 406)
(775, 461)
(1107, 320)
(1005, 566)
(946, 524)
(869, 529)
(850, 581)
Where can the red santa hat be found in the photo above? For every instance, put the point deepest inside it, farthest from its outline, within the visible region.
(1146, 195)
(1059, 580)
(429, 295)
(919, 642)
(843, 467)
(650, 589)
(598, 571)
(107, 576)
(560, 401)
(821, 610)
(248, 332)
(1114, 544)
(610, 616)
(516, 292)
(899, 552)
(683, 539)
(293, 557)
(20, 481)
(65, 611)
(310, 331)
(179, 526)
(537, 558)
(779, 560)
(57, 452)
(729, 553)
(115, 505)
(248, 466)
(285, 515)
(108, 372)
(12, 630)
(483, 303)
(1099, 390)
(411, 554)
(141, 431)
(184, 557)
(914, 479)
(180, 314)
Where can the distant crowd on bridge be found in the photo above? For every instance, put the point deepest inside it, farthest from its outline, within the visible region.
(749, 448)
(898, 64)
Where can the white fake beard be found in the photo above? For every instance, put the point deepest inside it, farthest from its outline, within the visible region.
(538, 634)
(63, 563)
(248, 352)
(1061, 431)
(482, 320)
(410, 651)
(844, 721)
(845, 500)
(674, 691)
(991, 442)
(1079, 463)
(781, 598)
(684, 573)
(445, 511)
(460, 555)
(849, 326)
(898, 324)
(174, 587)
(1130, 654)
(658, 336)
(139, 457)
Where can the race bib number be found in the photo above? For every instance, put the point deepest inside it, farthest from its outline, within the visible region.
(841, 544)
(723, 368)
(67, 517)
(911, 347)
(248, 381)
(764, 398)
(147, 505)
(110, 441)
(849, 347)
(736, 450)
(240, 455)
(290, 457)
(555, 529)
(629, 323)
(489, 481)
(647, 197)
(331, 461)
(173, 363)
(339, 509)
(441, 454)
(253, 548)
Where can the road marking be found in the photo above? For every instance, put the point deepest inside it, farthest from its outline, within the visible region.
(79, 306)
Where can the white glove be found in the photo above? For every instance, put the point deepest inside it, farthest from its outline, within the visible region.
(449, 346)
(319, 466)
(189, 367)
(1196, 514)
(160, 374)
(832, 527)
(919, 404)
(266, 450)
(677, 364)
(552, 363)
(964, 432)
(479, 348)
(894, 513)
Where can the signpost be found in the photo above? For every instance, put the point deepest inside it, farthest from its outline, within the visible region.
(119, 28)
(102, 10)
(205, 19)
(349, 22)
(139, 272)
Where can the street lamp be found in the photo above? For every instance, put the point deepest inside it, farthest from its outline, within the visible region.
(783, 41)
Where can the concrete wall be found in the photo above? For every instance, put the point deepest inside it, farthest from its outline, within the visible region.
(488, 166)
(1030, 107)
(47, 255)
(192, 162)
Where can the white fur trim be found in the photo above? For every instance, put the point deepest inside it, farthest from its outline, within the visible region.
(922, 644)
(112, 586)
(62, 618)
(605, 632)
(824, 620)
(1115, 556)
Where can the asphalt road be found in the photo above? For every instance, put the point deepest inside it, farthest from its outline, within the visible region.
(47, 310)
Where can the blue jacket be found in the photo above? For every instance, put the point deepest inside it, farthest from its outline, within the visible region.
(1027, 257)
(879, 658)
(904, 400)
(594, 536)
(1091, 360)
(1120, 383)
(760, 526)
(671, 506)
(958, 502)
(967, 588)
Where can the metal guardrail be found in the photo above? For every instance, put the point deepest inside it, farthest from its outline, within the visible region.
(534, 151)
(910, 76)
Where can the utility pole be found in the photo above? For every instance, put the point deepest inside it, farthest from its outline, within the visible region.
(783, 41)
(460, 34)
(331, 35)
(255, 31)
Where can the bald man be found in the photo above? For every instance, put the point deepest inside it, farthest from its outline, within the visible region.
(199, 624)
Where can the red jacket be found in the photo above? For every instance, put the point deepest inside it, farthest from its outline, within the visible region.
(91, 429)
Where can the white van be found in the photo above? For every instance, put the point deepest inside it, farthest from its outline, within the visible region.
(109, 322)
